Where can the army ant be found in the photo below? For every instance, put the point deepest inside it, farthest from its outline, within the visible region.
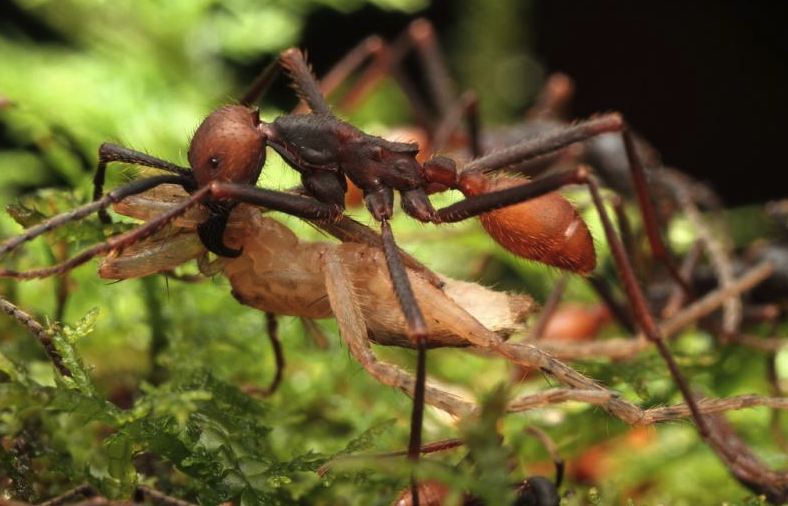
(228, 151)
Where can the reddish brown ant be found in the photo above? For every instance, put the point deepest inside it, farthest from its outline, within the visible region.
(227, 154)
(228, 151)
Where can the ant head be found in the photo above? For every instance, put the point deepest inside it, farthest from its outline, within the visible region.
(228, 146)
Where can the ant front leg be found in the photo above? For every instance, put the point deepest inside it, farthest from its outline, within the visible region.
(116, 195)
(302, 207)
(109, 153)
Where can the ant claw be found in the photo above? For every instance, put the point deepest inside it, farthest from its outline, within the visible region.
(211, 233)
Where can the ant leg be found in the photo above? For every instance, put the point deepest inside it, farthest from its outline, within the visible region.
(421, 35)
(722, 439)
(485, 202)
(304, 82)
(617, 308)
(132, 188)
(302, 207)
(279, 357)
(276, 346)
(349, 230)
(372, 49)
(539, 326)
(383, 58)
(552, 450)
(261, 83)
(625, 229)
(295, 205)
(553, 100)
(386, 58)
(467, 108)
(640, 307)
(417, 331)
(116, 243)
(113, 153)
(658, 248)
(531, 148)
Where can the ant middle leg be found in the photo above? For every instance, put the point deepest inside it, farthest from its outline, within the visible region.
(480, 203)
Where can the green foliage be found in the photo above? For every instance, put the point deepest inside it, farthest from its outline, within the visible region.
(157, 392)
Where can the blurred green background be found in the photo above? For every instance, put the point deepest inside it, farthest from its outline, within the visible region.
(75, 73)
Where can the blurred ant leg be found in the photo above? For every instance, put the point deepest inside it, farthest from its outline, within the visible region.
(478, 204)
(313, 330)
(744, 464)
(552, 450)
(370, 48)
(640, 308)
(120, 193)
(377, 54)
(272, 328)
(347, 311)
(467, 109)
(553, 100)
(420, 35)
(531, 148)
(625, 228)
(37, 330)
(421, 38)
(387, 59)
(374, 52)
(537, 329)
(619, 311)
(658, 248)
(678, 297)
(279, 358)
(261, 83)
(109, 153)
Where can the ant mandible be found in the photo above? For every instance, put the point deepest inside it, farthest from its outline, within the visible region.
(228, 151)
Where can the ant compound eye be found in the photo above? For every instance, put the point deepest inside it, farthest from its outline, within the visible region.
(214, 161)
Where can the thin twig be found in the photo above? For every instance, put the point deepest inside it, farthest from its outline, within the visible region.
(718, 256)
